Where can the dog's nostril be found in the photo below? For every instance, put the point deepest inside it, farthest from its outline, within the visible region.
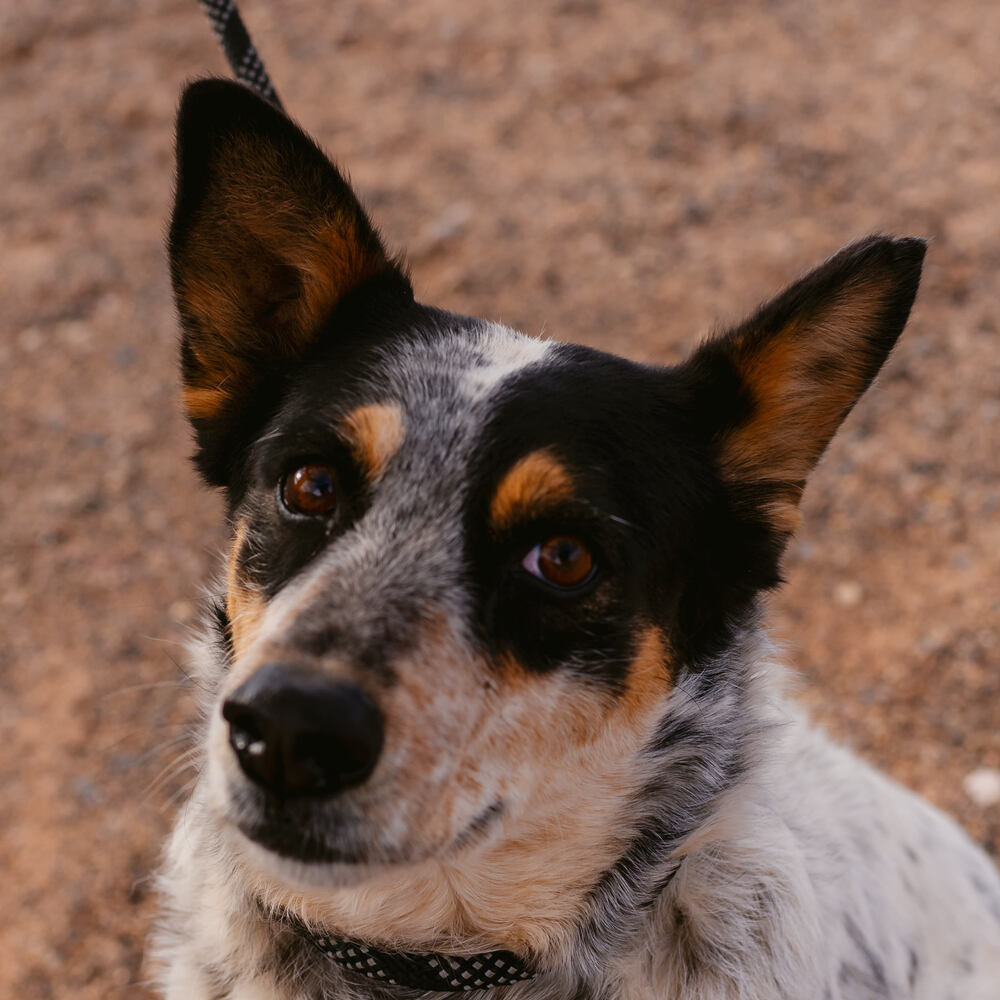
(242, 726)
(257, 751)
(296, 732)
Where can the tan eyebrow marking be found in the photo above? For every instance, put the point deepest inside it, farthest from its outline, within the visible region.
(374, 433)
(537, 481)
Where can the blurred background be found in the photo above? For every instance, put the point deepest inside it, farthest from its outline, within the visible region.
(628, 175)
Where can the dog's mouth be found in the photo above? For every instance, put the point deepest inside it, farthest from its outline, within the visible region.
(306, 830)
(328, 832)
(293, 843)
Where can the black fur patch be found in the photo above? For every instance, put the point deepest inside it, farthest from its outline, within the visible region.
(675, 546)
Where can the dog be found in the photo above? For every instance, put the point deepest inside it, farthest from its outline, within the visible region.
(488, 703)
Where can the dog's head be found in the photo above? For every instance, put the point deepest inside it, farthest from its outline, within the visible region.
(481, 586)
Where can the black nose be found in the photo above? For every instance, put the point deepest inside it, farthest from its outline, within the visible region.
(296, 732)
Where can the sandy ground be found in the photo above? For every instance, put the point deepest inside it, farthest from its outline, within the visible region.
(623, 174)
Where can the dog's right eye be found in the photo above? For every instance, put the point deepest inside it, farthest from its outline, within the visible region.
(310, 490)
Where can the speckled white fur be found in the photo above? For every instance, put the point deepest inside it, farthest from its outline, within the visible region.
(813, 878)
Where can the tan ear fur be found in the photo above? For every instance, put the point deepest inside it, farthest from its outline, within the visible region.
(267, 239)
(804, 360)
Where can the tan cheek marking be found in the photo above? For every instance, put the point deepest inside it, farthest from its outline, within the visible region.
(580, 718)
(536, 481)
(375, 433)
(649, 678)
(244, 605)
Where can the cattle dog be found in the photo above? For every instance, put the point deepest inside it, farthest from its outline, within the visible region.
(488, 704)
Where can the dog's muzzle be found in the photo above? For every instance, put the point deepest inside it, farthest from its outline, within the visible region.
(297, 733)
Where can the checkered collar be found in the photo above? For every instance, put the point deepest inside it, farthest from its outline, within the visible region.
(426, 970)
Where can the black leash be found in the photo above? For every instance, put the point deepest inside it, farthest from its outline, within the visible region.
(240, 51)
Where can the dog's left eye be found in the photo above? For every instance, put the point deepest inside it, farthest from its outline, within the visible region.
(563, 561)
(311, 490)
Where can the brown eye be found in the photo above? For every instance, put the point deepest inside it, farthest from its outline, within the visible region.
(310, 490)
(563, 561)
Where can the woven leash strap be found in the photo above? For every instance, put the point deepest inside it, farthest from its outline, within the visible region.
(427, 971)
(240, 51)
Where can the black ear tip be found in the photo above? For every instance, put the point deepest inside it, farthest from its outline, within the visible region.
(209, 93)
(214, 102)
(909, 251)
(915, 246)
(899, 253)
(212, 112)
(892, 262)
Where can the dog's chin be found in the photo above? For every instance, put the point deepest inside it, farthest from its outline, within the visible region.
(295, 855)
(294, 844)
(297, 848)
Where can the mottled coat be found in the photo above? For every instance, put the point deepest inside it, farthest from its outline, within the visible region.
(539, 568)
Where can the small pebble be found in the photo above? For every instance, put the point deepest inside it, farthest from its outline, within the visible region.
(983, 786)
(848, 593)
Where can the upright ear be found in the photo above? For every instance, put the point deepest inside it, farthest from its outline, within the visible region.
(777, 388)
(266, 239)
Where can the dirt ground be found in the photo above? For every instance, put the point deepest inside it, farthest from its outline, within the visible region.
(618, 173)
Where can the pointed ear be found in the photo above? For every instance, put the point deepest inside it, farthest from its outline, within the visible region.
(266, 239)
(782, 382)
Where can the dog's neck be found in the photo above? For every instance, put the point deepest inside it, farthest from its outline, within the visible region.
(435, 972)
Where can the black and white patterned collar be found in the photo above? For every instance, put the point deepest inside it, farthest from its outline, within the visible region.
(426, 970)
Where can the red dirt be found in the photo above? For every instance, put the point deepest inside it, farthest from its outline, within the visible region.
(622, 174)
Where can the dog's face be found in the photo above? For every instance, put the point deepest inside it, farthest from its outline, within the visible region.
(470, 571)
